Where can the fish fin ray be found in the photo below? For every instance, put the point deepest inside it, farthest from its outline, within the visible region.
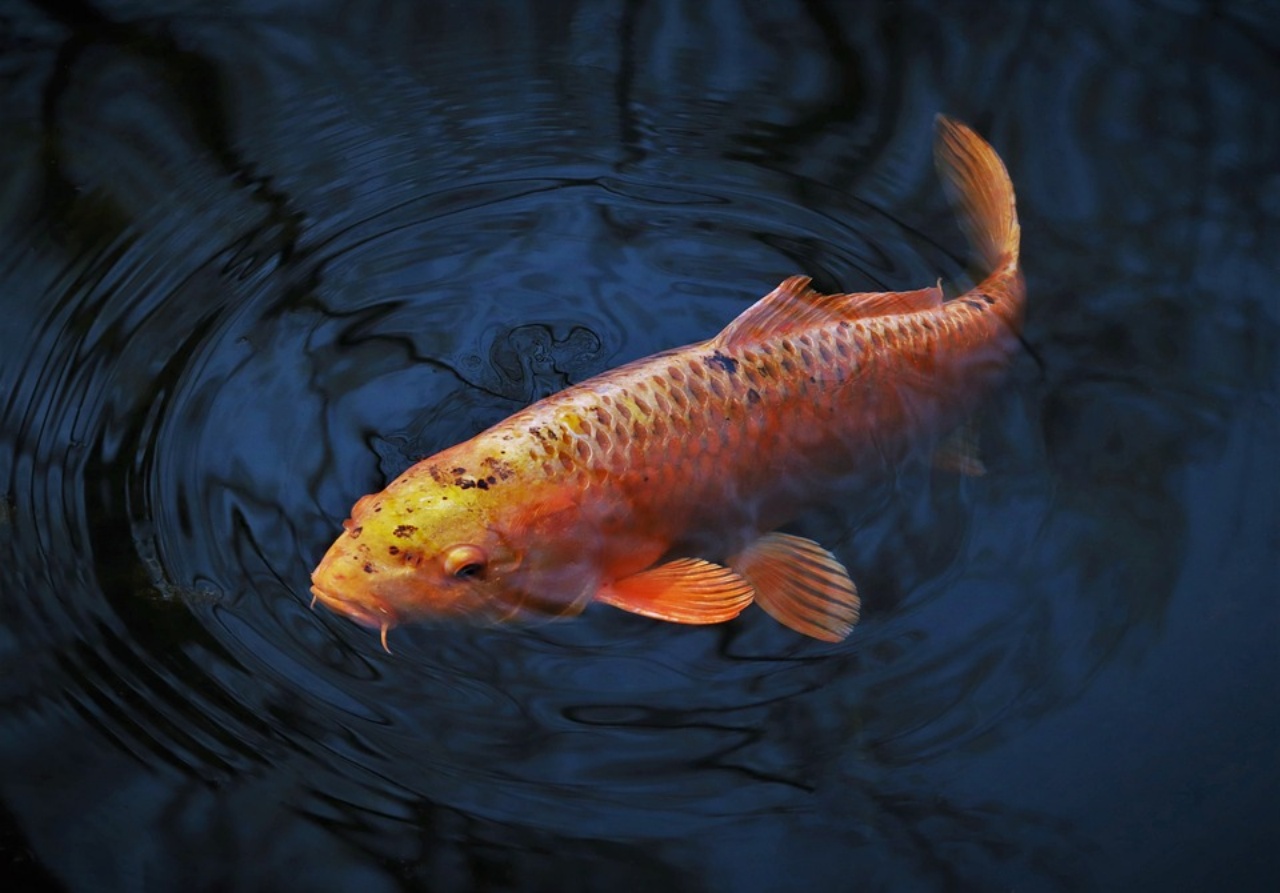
(959, 452)
(801, 585)
(793, 307)
(785, 309)
(865, 305)
(979, 186)
(687, 590)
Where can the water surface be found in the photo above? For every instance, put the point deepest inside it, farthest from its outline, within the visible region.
(256, 261)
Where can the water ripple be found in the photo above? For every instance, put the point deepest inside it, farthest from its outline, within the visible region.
(261, 268)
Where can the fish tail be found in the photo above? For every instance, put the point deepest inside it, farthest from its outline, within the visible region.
(982, 193)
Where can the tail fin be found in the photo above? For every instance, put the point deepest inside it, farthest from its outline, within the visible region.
(979, 187)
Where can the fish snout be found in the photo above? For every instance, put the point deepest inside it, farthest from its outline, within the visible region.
(345, 583)
(368, 614)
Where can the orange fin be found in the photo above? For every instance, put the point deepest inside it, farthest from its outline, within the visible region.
(688, 590)
(979, 186)
(958, 452)
(793, 306)
(802, 585)
(787, 308)
(884, 303)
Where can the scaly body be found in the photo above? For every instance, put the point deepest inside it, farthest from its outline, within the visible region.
(655, 486)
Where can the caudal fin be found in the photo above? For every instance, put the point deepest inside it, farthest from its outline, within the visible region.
(979, 187)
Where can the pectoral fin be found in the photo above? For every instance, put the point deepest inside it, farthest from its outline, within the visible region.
(959, 452)
(688, 590)
(800, 584)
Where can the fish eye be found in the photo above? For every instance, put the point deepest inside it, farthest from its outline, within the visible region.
(465, 562)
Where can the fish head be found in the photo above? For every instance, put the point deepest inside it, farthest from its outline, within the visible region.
(437, 545)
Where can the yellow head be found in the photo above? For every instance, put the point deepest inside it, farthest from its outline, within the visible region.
(452, 538)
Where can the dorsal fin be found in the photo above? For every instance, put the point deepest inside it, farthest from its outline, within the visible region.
(785, 309)
(864, 305)
(794, 306)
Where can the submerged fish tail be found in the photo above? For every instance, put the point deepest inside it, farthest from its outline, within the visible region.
(979, 186)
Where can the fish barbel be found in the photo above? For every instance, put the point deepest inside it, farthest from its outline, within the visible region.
(658, 487)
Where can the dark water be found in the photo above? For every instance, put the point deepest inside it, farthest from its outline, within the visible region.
(257, 260)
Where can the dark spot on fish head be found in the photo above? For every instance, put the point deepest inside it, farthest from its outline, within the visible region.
(393, 550)
(500, 469)
(753, 396)
(728, 364)
(405, 530)
(491, 479)
(368, 567)
(464, 483)
(459, 470)
(482, 484)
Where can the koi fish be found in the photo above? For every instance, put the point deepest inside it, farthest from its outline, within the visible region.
(658, 487)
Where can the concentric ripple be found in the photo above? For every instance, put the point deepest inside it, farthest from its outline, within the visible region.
(254, 268)
(226, 408)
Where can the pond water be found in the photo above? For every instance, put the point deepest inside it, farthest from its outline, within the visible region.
(257, 258)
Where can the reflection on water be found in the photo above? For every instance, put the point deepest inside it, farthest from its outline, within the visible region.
(255, 265)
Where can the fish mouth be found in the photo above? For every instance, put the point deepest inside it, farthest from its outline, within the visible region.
(372, 617)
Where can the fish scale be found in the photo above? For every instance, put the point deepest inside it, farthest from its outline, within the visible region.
(791, 403)
(657, 487)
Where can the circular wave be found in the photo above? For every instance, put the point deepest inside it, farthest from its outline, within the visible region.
(226, 337)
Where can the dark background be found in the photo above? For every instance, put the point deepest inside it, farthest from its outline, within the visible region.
(256, 258)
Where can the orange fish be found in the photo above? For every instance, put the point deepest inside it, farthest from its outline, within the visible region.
(658, 487)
